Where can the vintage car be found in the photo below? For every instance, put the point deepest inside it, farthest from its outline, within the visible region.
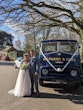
(5, 58)
(59, 60)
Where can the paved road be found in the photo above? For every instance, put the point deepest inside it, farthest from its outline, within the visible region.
(51, 98)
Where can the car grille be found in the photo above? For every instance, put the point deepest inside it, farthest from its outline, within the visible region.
(54, 73)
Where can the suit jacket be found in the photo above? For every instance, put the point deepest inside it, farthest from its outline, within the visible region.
(33, 65)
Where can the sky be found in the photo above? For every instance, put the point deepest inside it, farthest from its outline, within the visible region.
(9, 29)
(12, 31)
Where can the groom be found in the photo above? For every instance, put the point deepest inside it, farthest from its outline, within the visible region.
(33, 73)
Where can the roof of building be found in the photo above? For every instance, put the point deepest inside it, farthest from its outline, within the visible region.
(8, 48)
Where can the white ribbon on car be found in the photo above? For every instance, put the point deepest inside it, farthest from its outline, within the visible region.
(58, 69)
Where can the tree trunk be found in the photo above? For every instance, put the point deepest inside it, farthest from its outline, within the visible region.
(81, 49)
(81, 31)
(34, 38)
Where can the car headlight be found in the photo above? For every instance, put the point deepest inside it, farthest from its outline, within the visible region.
(73, 73)
(44, 71)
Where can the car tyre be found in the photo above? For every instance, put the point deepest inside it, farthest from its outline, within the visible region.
(41, 82)
(82, 83)
(76, 85)
(15, 66)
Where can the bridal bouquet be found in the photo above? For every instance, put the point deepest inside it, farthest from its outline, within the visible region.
(25, 66)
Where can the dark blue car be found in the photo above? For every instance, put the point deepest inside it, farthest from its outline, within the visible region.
(59, 60)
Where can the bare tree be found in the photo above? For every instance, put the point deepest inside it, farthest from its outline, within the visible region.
(18, 45)
(45, 13)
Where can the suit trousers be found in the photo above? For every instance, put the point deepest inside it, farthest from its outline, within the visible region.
(34, 81)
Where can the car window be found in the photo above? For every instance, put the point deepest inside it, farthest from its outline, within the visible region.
(20, 58)
(49, 47)
(68, 47)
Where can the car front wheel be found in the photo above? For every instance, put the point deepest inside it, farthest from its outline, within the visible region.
(76, 85)
(41, 82)
(15, 66)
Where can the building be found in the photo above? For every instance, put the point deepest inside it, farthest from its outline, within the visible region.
(10, 50)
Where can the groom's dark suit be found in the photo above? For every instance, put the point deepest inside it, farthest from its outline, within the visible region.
(34, 78)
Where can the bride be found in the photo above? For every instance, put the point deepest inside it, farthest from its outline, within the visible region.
(23, 83)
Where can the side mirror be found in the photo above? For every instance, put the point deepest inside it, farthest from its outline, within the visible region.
(37, 47)
(79, 46)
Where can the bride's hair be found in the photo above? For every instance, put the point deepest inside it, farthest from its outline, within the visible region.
(26, 54)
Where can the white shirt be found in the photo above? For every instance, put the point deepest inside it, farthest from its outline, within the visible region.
(31, 59)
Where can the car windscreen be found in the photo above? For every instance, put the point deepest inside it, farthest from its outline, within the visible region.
(49, 47)
(65, 46)
(19, 58)
(69, 47)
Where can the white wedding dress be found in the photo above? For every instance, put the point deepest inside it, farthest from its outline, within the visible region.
(23, 84)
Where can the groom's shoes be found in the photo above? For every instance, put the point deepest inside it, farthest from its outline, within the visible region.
(32, 92)
(37, 93)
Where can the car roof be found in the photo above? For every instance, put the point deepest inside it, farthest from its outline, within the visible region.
(59, 41)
